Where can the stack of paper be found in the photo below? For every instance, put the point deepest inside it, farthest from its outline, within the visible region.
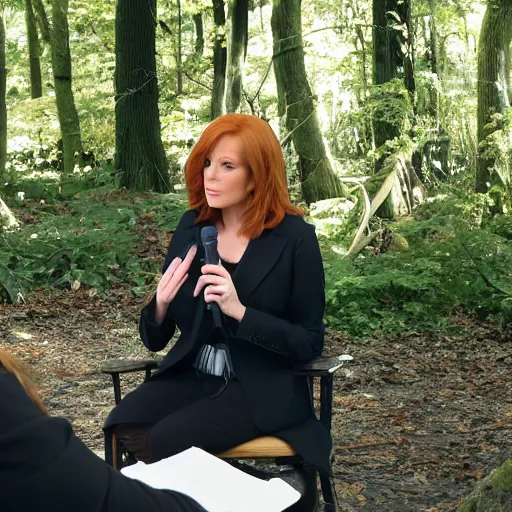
(214, 484)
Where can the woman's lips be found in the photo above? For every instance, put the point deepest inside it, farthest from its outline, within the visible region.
(213, 193)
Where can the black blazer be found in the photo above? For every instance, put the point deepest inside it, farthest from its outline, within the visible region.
(44, 466)
(280, 280)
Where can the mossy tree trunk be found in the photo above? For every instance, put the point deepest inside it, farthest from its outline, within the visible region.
(179, 59)
(42, 20)
(3, 104)
(199, 44)
(392, 59)
(390, 38)
(219, 59)
(139, 151)
(493, 85)
(66, 109)
(317, 177)
(237, 52)
(34, 51)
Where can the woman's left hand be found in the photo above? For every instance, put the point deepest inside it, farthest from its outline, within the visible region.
(220, 289)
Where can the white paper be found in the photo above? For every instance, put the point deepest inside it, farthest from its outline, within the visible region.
(214, 484)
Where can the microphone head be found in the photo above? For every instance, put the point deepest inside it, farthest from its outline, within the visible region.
(208, 235)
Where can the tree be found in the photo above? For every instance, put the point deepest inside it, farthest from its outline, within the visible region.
(139, 151)
(36, 86)
(179, 60)
(199, 44)
(393, 65)
(392, 52)
(42, 20)
(219, 59)
(61, 64)
(3, 105)
(493, 88)
(237, 52)
(317, 178)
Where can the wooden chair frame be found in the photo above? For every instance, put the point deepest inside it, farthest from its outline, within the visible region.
(270, 447)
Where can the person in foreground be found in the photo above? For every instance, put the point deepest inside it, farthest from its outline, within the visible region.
(269, 286)
(44, 466)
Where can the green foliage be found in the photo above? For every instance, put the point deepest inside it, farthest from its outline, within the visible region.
(464, 209)
(450, 266)
(390, 103)
(493, 493)
(497, 148)
(90, 242)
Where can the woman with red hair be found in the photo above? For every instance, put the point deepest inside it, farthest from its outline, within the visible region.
(217, 388)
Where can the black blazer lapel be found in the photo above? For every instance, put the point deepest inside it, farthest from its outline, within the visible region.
(259, 258)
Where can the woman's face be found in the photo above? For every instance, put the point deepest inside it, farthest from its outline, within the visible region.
(227, 178)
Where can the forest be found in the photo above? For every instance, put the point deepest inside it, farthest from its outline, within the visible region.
(395, 121)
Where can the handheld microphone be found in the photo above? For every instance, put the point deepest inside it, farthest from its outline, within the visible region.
(211, 257)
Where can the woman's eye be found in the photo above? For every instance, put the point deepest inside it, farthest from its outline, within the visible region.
(207, 162)
(227, 165)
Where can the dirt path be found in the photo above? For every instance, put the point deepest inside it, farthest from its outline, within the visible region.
(416, 420)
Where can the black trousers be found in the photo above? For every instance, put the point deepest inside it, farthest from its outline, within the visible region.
(171, 413)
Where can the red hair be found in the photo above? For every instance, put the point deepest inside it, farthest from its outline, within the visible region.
(10, 364)
(269, 201)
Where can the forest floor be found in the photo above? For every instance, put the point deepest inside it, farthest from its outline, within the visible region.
(417, 420)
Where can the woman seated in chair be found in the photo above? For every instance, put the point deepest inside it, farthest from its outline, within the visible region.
(44, 466)
(269, 286)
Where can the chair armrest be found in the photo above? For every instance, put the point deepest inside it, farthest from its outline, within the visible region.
(116, 366)
(121, 366)
(323, 366)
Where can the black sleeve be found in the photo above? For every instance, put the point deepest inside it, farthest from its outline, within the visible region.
(155, 337)
(127, 495)
(300, 337)
(44, 462)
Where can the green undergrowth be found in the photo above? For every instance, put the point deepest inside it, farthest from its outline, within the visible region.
(456, 260)
(88, 240)
(493, 493)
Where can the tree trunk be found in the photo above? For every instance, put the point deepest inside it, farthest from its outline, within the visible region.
(317, 177)
(66, 109)
(36, 86)
(237, 53)
(361, 96)
(179, 62)
(433, 43)
(3, 105)
(493, 51)
(42, 20)
(219, 59)
(508, 64)
(392, 58)
(389, 59)
(139, 151)
(199, 46)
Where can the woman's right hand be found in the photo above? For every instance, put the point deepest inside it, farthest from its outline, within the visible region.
(171, 282)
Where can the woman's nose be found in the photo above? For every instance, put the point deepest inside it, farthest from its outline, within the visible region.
(211, 171)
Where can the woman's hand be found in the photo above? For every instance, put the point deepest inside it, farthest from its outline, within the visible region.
(220, 289)
(171, 282)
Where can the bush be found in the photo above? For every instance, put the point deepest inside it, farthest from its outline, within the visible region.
(449, 267)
